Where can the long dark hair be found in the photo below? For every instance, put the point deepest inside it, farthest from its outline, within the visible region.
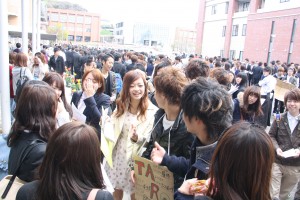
(71, 165)
(123, 102)
(255, 108)
(54, 77)
(35, 111)
(231, 176)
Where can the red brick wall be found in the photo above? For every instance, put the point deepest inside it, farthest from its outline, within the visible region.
(258, 35)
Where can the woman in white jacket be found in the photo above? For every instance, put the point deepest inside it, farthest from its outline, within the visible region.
(132, 120)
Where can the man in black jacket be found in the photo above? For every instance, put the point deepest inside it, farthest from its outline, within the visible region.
(77, 63)
(56, 62)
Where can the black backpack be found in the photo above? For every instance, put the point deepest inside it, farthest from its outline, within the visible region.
(22, 80)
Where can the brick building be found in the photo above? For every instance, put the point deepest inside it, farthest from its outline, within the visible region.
(261, 30)
(81, 26)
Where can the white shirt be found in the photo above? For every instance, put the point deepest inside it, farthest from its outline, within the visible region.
(81, 105)
(166, 123)
(293, 121)
(267, 84)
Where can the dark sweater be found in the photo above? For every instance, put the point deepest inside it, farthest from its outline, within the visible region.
(28, 192)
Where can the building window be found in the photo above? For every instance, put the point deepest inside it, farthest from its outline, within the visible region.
(54, 17)
(88, 29)
(235, 30)
(232, 54)
(213, 9)
(79, 28)
(282, 1)
(87, 39)
(88, 20)
(78, 38)
(71, 18)
(222, 53)
(244, 29)
(146, 42)
(224, 31)
(241, 55)
(244, 6)
(70, 37)
(79, 19)
(226, 7)
(153, 43)
(63, 18)
(118, 25)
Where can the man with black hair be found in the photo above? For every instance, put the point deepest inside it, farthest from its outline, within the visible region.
(18, 49)
(207, 112)
(56, 62)
(118, 67)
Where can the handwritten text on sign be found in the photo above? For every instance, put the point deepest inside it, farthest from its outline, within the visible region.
(152, 181)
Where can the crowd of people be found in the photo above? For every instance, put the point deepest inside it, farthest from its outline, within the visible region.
(204, 119)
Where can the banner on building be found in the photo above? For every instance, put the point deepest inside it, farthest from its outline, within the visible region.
(152, 181)
(281, 88)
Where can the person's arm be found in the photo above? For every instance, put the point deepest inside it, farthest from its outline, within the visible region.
(273, 132)
(91, 111)
(178, 165)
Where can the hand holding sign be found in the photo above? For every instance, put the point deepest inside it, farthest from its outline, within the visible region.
(157, 153)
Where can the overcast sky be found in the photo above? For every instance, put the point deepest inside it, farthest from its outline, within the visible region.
(182, 13)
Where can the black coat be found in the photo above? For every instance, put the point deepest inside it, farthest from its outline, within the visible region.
(28, 169)
(257, 73)
(180, 140)
(58, 65)
(77, 63)
(93, 110)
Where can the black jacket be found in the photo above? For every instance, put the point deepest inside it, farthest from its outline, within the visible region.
(93, 108)
(180, 140)
(58, 65)
(28, 169)
(257, 73)
(29, 190)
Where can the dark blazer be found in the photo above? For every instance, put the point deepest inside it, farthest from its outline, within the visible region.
(93, 110)
(180, 140)
(58, 65)
(29, 167)
(257, 73)
(77, 63)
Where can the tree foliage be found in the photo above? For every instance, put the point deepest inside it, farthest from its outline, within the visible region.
(64, 5)
(58, 31)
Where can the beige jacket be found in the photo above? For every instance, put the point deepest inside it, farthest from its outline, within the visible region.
(143, 130)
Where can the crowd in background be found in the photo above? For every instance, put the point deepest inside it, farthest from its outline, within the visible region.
(203, 118)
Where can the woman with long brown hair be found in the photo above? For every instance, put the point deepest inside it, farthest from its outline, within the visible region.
(241, 166)
(132, 120)
(71, 167)
(247, 105)
(34, 120)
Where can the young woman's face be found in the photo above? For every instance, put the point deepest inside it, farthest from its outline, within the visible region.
(90, 76)
(137, 89)
(238, 80)
(57, 90)
(290, 72)
(252, 99)
(108, 64)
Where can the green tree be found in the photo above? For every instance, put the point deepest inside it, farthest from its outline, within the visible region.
(58, 31)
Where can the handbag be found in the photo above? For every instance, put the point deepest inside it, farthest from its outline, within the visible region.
(10, 184)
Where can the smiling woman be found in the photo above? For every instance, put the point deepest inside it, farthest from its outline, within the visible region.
(132, 120)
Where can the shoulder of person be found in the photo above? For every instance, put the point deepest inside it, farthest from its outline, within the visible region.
(27, 191)
(103, 195)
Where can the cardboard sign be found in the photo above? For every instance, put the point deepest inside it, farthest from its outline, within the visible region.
(152, 181)
(281, 88)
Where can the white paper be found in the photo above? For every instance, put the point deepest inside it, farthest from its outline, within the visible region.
(289, 153)
(107, 126)
(77, 115)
